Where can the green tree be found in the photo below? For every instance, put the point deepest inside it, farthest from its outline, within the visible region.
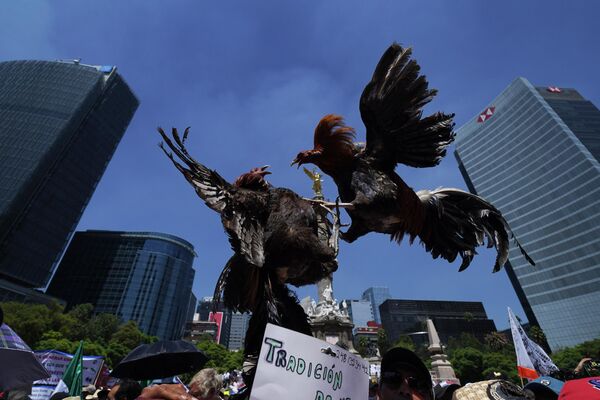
(406, 342)
(31, 321)
(218, 355)
(496, 341)
(382, 341)
(536, 334)
(362, 346)
(500, 362)
(468, 364)
(102, 327)
(54, 340)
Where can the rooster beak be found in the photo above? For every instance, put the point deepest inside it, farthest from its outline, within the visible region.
(296, 161)
(264, 170)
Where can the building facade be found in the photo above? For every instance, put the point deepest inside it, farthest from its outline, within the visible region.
(376, 296)
(237, 330)
(451, 318)
(360, 312)
(60, 124)
(533, 153)
(140, 276)
(222, 317)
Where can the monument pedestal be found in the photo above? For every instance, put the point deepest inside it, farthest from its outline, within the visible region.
(329, 321)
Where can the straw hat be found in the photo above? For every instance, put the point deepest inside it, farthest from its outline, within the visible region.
(492, 390)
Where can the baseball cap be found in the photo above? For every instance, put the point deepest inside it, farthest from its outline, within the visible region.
(545, 385)
(581, 389)
(398, 357)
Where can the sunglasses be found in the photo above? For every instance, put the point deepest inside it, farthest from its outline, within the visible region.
(395, 379)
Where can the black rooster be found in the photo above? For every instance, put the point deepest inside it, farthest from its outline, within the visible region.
(270, 229)
(273, 233)
(449, 222)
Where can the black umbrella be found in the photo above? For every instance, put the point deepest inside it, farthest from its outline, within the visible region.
(160, 360)
(18, 365)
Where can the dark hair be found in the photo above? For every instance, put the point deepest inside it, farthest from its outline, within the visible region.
(128, 390)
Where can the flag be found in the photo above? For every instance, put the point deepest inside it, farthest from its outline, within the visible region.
(71, 381)
(532, 360)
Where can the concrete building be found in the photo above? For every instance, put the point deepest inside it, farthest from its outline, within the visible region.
(533, 152)
(451, 318)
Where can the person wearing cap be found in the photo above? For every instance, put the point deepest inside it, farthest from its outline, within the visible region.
(444, 390)
(545, 388)
(581, 389)
(404, 377)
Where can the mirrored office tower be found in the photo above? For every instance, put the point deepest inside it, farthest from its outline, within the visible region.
(533, 152)
(145, 277)
(60, 124)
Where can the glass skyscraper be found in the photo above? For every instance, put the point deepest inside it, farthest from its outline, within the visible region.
(60, 124)
(360, 312)
(141, 276)
(376, 295)
(533, 152)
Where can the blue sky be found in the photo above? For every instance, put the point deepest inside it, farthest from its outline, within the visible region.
(252, 79)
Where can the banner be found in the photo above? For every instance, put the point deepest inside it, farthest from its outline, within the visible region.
(41, 392)
(532, 360)
(296, 366)
(56, 363)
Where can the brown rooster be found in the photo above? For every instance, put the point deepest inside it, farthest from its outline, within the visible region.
(271, 229)
(273, 233)
(449, 222)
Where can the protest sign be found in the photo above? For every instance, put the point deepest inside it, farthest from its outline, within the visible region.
(296, 366)
(56, 363)
(42, 392)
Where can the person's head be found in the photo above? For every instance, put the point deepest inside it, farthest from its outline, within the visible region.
(127, 389)
(206, 384)
(404, 377)
(545, 388)
(444, 390)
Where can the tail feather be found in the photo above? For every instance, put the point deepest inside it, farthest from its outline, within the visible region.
(456, 222)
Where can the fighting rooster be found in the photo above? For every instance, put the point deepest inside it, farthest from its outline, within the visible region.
(449, 222)
(270, 229)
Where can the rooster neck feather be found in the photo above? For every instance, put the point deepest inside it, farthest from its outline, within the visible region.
(252, 181)
(334, 142)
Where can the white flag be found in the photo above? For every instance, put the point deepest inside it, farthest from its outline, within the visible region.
(532, 360)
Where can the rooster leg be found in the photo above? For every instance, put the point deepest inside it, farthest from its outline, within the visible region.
(329, 204)
(353, 233)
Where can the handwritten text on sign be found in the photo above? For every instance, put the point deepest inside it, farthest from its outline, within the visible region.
(293, 365)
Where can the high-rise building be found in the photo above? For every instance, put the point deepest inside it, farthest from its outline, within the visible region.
(376, 295)
(451, 318)
(60, 124)
(533, 152)
(360, 312)
(237, 330)
(222, 316)
(141, 276)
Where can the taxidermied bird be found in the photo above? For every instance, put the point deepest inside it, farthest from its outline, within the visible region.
(449, 222)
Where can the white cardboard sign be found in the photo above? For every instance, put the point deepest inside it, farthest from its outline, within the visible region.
(293, 366)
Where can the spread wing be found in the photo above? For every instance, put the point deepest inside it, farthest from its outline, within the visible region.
(241, 210)
(391, 109)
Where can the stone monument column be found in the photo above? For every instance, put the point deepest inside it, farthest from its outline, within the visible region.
(441, 368)
(328, 320)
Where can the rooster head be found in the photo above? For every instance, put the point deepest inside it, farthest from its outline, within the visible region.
(254, 180)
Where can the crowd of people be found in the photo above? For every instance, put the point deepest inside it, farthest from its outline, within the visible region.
(403, 376)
